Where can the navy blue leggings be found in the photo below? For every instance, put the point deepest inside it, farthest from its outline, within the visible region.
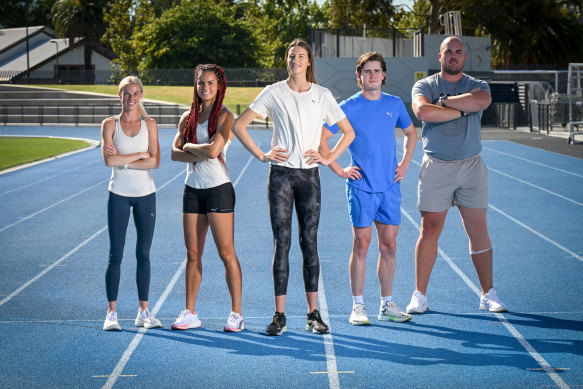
(118, 216)
(285, 187)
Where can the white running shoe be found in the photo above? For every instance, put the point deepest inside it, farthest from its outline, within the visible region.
(418, 303)
(391, 312)
(186, 320)
(358, 316)
(111, 323)
(234, 323)
(491, 302)
(147, 320)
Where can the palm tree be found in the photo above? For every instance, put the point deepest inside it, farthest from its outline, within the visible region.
(80, 19)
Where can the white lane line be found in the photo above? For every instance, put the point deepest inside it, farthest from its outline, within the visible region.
(535, 162)
(58, 261)
(243, 170)
(575, 255)
(328, 341)
(536, 186)
(517, 335)
(51, 206)
(115, 374)
(49, 177)
(138, 337)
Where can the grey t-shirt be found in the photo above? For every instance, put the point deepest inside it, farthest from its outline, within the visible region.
(458, 138)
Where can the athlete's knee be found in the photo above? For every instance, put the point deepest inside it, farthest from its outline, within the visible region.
(228, 256)
(193, 255)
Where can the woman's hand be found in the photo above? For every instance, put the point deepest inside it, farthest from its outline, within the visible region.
(110, 149)
(276, 154)
(313, 156)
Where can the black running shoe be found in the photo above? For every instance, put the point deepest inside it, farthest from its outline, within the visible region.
(277, 325)
(315, 323)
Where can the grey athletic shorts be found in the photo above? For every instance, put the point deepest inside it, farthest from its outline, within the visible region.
(443, 184)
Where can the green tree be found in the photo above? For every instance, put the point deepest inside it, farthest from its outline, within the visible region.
(356, 13)
(278, 22)
(525, 33)
(196, 31)
(26, 13)
(123, 18)
(80, 19)
(548, 32)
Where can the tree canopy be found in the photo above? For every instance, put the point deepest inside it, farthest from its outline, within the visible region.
(247, 33)
(194, 32)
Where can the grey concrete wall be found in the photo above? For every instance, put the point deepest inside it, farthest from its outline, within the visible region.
(338, 75)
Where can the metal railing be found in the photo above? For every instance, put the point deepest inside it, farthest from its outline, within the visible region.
(166, 115)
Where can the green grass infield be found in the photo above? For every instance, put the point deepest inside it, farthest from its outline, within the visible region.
(16, 151)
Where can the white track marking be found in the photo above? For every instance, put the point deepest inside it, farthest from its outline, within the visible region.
(138, 337)
(51, 206)
(48, 178)
(328, 341)
(535, 162)
(575, 255)
(537, 187)
(58, 261)
(115, 374)
(517, 335)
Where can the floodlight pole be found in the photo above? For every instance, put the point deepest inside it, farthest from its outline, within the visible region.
(57, 58)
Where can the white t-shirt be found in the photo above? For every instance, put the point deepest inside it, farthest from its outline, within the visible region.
(131, 182)
(209, 173)
(297, 118)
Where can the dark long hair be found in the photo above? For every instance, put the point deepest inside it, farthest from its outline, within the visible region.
(192, 118)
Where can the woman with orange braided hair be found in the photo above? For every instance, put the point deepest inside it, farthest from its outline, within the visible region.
(204, 133)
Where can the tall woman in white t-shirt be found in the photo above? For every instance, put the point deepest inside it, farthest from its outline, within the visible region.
(298, 107)
(204, 133)
(130, 147)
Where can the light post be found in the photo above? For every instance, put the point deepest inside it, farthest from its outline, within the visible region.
(57, 58)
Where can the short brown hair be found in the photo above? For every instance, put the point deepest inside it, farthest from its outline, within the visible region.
(310, 72)
(372, 56)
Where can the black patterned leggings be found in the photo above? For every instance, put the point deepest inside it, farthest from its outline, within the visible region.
(286, 186)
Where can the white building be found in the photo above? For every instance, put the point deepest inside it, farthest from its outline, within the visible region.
(48, 59)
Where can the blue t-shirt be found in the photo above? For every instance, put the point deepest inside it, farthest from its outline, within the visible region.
(456, 139)
(374, 147)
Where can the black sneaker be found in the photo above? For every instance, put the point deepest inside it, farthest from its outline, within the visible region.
(277, 325)
(315, 323)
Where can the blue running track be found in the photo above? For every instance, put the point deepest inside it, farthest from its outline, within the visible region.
(54, 248)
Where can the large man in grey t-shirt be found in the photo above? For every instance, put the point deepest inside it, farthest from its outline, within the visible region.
(450, 104)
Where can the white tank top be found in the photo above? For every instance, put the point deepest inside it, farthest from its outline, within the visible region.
(209, 173)
(131, 182)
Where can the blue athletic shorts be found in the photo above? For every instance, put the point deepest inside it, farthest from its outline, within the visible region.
(365, 207)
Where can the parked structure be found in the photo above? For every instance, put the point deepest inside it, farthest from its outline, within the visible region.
(35, 54)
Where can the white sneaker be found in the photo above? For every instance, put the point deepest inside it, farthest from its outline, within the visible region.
(358, 316)
(186, 320)
(391, 312)
(491, 302)
(147, 320)
(234, 323)
(111, 323)
(418, 303)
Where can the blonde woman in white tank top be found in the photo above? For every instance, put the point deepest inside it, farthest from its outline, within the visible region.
(130, 147)
(203, 135)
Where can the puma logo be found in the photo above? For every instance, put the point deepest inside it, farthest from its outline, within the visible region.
(390, 114)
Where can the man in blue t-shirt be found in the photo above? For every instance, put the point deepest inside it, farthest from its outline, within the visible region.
(373, 181)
